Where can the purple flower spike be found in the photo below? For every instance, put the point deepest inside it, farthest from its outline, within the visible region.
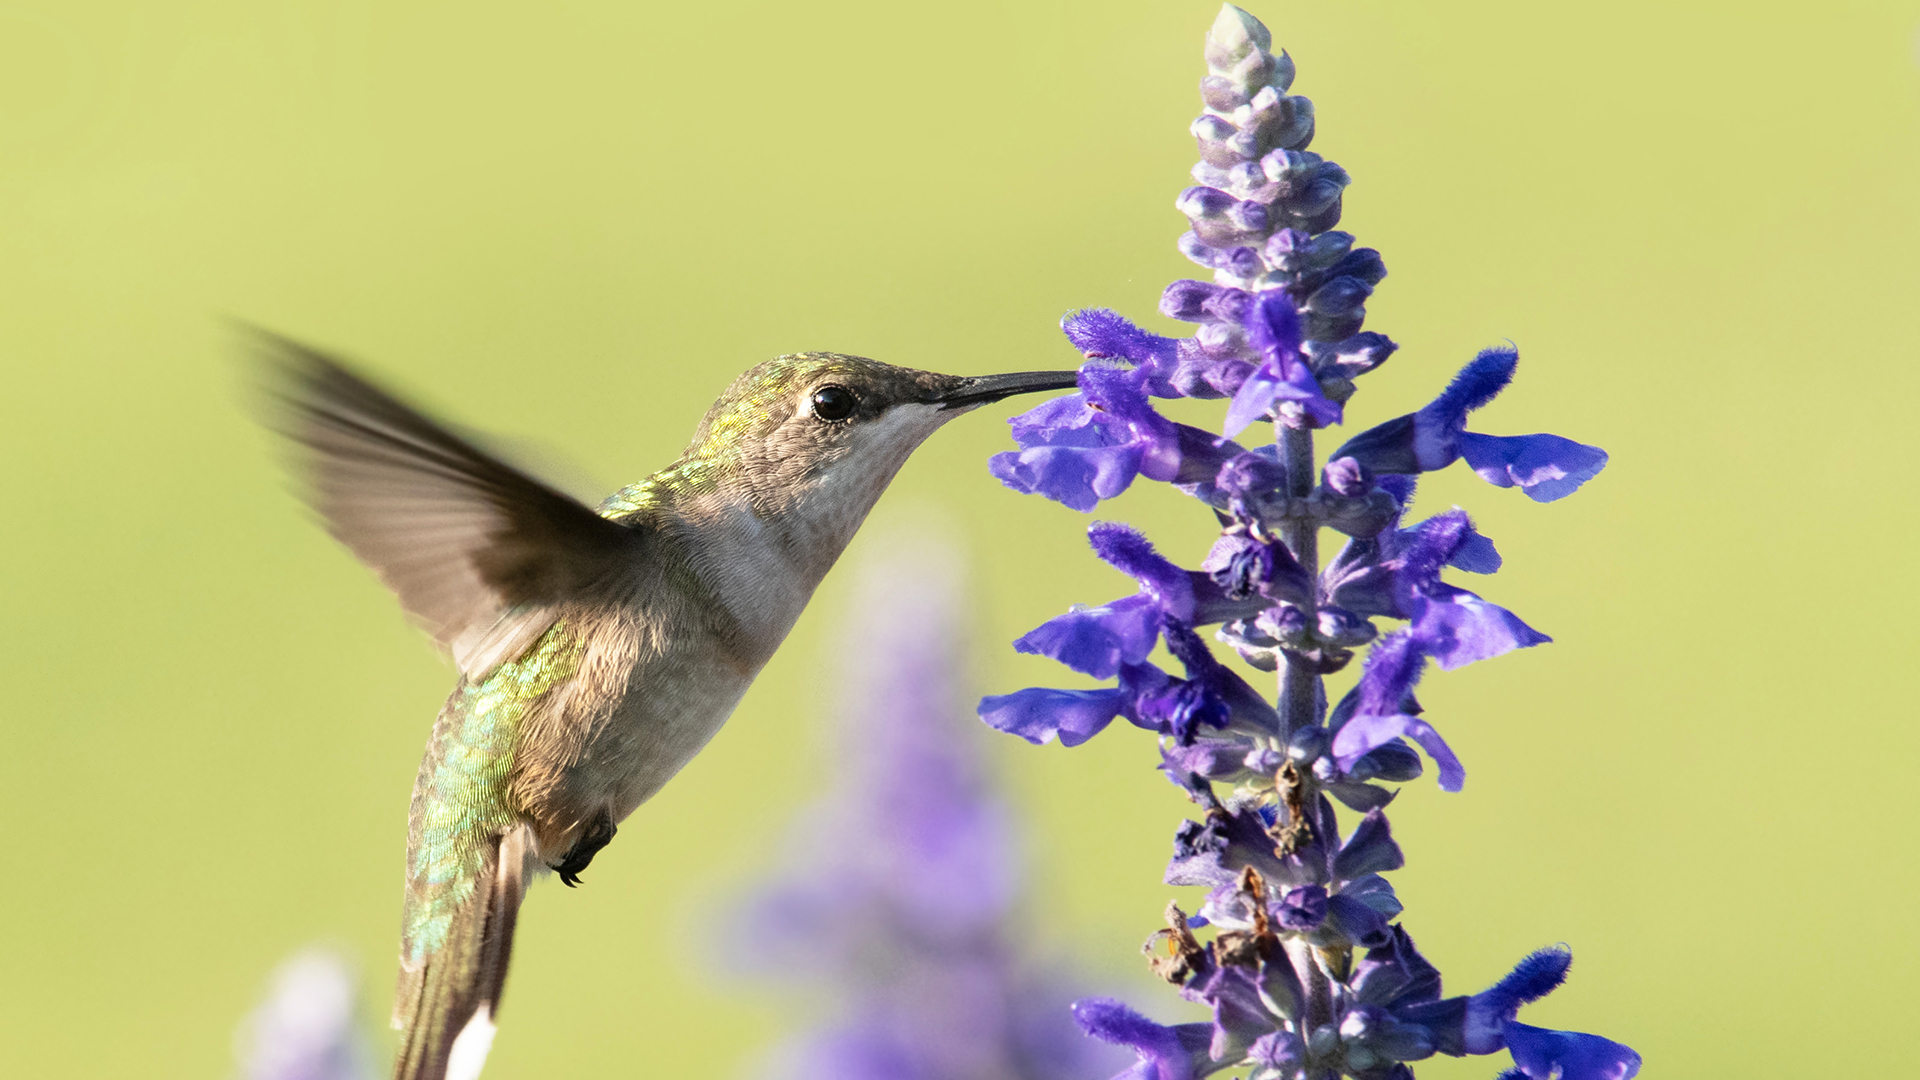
(1166, 1053)
(1279, 332)
(1273, 329)
(897, 924)
(1546, 467)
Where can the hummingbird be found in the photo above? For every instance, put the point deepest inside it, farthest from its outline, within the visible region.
(598, 649)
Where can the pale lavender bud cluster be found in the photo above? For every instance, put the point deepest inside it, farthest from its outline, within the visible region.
(1264, 213)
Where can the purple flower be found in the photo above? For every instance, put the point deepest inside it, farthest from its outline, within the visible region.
(1039, 714)
(1382, 712)
(308, 1027)
(1273, 329)
(1391, 572)
(1209, 365)
(1568, 1055)
(1210, 696)
(1304, 908)
(1103, 334)
(1243, 564)
(1450, 624)
(1216, 690)
(1100, 641)
(1126, 550)
(1541, 1053)
(1546, 467)
(1397, 573)
(900, 898)
(1212, 852)
(1534, 977)
(1090, 445)
(1166, 1053)
(1114, 639)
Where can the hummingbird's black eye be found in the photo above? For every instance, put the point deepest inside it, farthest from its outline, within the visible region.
(834, 403)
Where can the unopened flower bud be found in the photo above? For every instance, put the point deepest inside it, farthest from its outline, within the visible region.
(1345, 476)
(1338, 626)
(1186, 300)
(1307, 744)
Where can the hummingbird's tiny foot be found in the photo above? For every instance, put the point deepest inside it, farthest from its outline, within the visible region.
(597, 835)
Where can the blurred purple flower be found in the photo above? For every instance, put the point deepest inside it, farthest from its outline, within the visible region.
(308, 1028)
(899, 903)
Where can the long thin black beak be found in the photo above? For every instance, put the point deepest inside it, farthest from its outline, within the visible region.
(981, 389)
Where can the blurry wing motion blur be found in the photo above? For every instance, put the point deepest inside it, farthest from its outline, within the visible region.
(463, 538)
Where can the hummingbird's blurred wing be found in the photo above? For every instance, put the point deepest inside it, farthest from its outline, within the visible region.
(462, 537)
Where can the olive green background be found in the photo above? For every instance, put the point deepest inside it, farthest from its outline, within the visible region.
(1696, 221)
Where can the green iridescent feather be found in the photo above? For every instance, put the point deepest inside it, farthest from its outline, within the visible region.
(465, 794)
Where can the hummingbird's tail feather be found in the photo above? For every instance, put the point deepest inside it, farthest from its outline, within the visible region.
(446, 1003)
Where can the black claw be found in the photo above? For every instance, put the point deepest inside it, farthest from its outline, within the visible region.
(597, 835)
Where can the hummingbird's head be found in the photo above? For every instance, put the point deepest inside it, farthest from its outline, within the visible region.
(830, 431)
